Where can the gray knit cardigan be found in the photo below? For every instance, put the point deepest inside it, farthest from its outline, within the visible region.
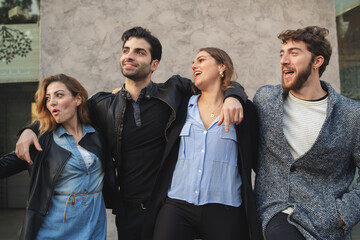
(317, 183)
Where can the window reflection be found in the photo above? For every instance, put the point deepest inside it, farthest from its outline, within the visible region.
(348, 30)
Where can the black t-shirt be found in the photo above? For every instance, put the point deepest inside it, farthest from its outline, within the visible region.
(142, 147)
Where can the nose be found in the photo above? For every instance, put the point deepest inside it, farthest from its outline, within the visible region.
(284, 59)
(194, 66)
(52, 102)
(128, 55)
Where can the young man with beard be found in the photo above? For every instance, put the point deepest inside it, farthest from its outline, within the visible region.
(134, 123)
(309, 146)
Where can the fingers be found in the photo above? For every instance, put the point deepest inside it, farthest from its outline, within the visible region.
(234, 109)
(37, 145)
(227, 120)
(239, 115)
(224, 117)
(115, 91)
(27, 158)
(221, 118)
(22, 153)
(26, 139)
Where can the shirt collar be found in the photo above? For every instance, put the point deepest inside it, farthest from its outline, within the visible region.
(193, 101)
(61, 131)
(145, 92)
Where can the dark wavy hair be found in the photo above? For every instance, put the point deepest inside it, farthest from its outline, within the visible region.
(315, 39)
(142, 33)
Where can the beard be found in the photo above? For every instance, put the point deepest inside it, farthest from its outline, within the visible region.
(299, 80)
(138, 74)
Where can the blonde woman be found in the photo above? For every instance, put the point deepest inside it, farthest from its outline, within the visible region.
(65, 197)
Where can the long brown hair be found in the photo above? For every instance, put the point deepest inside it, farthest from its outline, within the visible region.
(47, 122)
(221, 57)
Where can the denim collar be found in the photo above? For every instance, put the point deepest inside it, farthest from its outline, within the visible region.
(60, 130)
(145, 92)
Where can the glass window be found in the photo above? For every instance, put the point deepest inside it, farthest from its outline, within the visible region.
(19, 77)
(348, 35)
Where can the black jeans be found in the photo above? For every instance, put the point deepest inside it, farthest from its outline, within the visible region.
(129, 222)
(279, 228)
(180, 220)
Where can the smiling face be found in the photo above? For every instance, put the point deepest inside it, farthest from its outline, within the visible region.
(205, 70)
(61, 103)
(295, 64)
(135, 61)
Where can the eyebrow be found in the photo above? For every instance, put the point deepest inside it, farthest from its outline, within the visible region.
(291, 49)
(137, 49)
(199, 57)
(60, 90)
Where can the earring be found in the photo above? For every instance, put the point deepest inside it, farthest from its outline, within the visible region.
(221, 74)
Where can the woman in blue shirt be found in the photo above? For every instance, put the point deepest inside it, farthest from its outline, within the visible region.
(204, 185)
(65, 196)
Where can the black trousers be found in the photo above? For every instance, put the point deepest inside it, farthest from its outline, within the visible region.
(279, 228)
(129, 222)
(179, 220)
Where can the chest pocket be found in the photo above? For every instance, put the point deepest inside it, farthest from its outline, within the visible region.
(227, 147)
(187, 143)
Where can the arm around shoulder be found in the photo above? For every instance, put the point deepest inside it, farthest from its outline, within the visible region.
(184, 85)
(237, 91)
(10, 164)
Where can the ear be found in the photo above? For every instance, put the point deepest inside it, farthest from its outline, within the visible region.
(318, 61)
(154, 65)
(222, 68)
(78, 99)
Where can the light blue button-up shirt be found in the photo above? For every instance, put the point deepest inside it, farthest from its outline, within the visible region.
(206, 170)
(87, 219)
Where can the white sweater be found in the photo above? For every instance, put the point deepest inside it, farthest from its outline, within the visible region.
(302, 123)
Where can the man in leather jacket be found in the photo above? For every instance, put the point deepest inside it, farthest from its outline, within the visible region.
(134, 123)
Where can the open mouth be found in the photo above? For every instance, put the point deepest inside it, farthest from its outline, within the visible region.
(55, 112)
(197, 73)
(288, 73)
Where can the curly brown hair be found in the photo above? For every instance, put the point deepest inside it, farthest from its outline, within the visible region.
(315, 39)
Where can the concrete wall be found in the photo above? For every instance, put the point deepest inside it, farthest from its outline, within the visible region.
(82, 37)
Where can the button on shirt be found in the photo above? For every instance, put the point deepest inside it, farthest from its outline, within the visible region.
(144, 93)
(142, 144)
(87, 218)
(206, 170)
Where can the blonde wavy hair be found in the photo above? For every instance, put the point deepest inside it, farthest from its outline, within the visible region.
(46, 120)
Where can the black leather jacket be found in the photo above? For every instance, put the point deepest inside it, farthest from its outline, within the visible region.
(47, 166)
(107, 112)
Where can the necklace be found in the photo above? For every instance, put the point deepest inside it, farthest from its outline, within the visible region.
(214, 111)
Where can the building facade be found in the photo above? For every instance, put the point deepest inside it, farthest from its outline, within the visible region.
(81, 38)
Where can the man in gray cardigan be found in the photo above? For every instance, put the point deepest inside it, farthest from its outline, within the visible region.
(309, 146)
